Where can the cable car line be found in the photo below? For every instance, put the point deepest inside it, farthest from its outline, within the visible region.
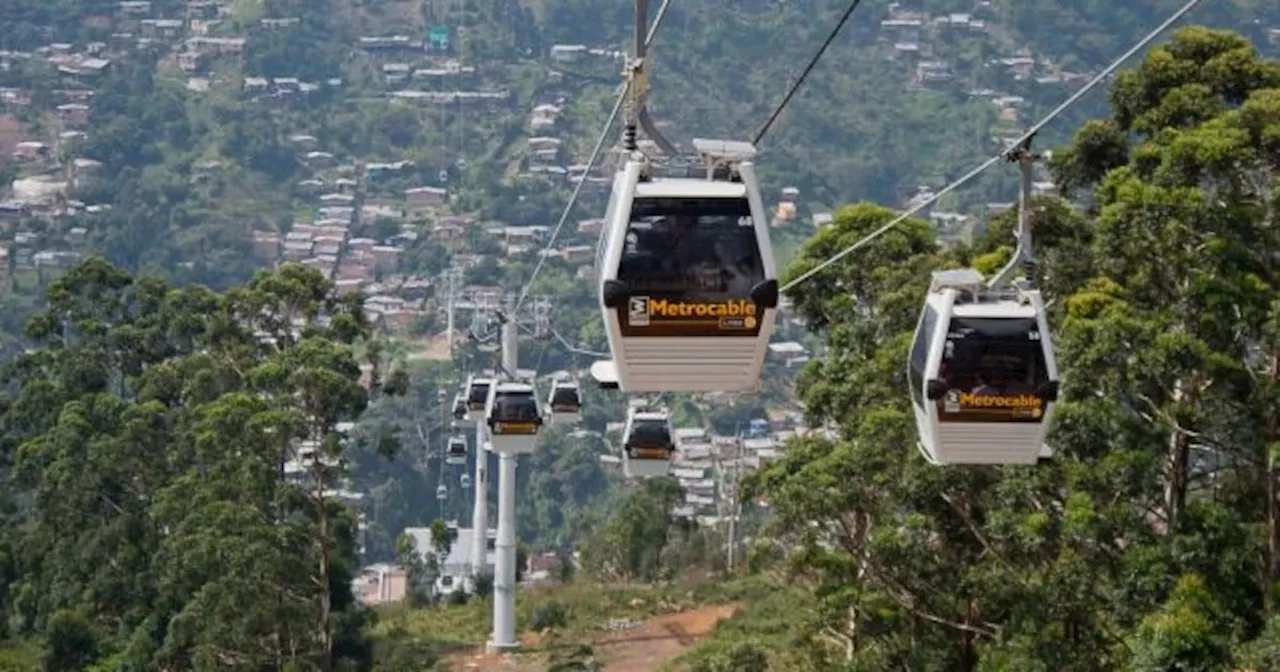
(1002, 156)
(805, 73)
(591, 162)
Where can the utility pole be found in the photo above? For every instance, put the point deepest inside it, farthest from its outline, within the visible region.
(480, 508)
(453, 284)
(480, 489)
(735, 504)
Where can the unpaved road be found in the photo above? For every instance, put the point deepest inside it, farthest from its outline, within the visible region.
(638, 649)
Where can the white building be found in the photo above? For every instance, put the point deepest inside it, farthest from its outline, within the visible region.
(455, 571)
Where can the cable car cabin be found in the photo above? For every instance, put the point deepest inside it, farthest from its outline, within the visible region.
(442, 493)
(460, 408)
(565, 401)
(983, 375)
(648, 444)
(465, 481)
(514, 417)
(688, 286)
(456, 452)
(477, 395)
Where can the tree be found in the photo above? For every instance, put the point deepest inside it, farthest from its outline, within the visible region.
(156, 431)
(1163, 290)
(630, 545)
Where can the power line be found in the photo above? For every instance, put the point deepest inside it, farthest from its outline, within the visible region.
(1106, 72)
(803, 75)
(595, 154)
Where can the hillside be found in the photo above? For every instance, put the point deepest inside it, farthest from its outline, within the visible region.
(234, 231)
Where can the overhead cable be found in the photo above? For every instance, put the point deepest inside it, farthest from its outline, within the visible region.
(1106, 72)
(805, 73)
(595, 154)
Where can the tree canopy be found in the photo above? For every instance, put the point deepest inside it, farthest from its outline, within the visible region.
(1151, 541)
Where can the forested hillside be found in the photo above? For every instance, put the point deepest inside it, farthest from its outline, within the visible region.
(167, 365)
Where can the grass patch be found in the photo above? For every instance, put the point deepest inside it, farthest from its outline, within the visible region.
(20, 656)
(771, 626)
(587, 608)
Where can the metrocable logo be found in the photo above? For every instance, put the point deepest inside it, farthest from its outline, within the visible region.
(668, 308)
(1015, 401)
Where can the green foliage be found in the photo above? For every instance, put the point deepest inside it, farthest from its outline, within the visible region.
(549, 615)
(69, 642)
(1164, 314)
(149, 435)
(634, 540)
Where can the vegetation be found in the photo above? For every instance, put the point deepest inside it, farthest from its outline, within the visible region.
(1150, 541)
(154, 394)
(149, 522)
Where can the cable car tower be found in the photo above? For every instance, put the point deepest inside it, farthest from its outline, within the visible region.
(984, 379)
(688, 285)
(508, 409)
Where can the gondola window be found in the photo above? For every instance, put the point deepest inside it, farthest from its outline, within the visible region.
(515, 408)
(649, 434)
(920, 353)
(993, 370)
(699, 248)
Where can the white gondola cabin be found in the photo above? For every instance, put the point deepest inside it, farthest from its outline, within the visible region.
(688, 285)
(465, 481)
(442, 493)
(565, 401)
(648, 444)
(456, 451)
(984, 380)
(514, 417)
(460, 408)
(477, 392)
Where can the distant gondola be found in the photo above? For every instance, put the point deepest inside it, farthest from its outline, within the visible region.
(477, 392)
(514, 417)
(456, 452)
(648, 443)
(564, 401)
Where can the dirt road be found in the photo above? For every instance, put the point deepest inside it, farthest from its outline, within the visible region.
(638, 649)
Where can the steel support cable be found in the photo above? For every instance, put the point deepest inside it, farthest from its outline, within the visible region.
(805, 73)
(1106, 72)
(591, 162)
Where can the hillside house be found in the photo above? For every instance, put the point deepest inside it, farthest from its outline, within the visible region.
(75, 115)
(204, 9)
(568, 53)
(577, 254)
(381, 583)
(520, 239)
(133, 8)
(162, 28)
(31, 150)
(784, 353)
(277, 24)
(426, 196)
(317, 160)
(591, 227)
(217, 46)
(544, 117)
(933, 73)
